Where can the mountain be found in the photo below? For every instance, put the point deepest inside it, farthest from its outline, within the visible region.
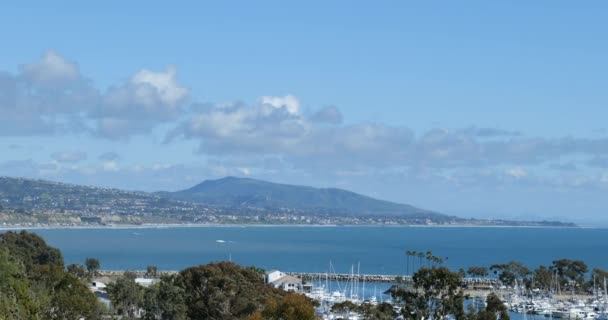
(41, 203)
(245, 192)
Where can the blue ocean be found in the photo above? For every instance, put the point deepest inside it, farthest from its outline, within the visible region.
(378, 250)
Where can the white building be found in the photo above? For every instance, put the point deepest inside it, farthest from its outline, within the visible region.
(145, 282)
(283, 281)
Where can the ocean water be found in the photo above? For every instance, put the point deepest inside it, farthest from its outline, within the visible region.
(378, 250)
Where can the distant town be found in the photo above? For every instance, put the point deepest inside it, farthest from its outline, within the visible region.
(37, 203)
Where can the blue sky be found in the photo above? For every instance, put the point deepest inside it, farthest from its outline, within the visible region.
(480, 109)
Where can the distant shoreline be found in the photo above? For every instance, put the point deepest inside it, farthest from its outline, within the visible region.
(203, 225)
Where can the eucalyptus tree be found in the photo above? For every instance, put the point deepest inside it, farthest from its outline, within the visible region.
(437, 292)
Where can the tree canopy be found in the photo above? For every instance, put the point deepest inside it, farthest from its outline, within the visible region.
(34, 284)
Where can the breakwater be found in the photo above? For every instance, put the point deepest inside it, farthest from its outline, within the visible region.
(311, 276)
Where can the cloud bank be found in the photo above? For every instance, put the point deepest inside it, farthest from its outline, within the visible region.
(272, 134)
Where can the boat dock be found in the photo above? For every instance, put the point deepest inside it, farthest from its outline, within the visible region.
(311, 276)
(315, 276)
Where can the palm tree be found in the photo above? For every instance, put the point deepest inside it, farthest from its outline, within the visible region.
(429, 258)
(420, 257)
(407, 262)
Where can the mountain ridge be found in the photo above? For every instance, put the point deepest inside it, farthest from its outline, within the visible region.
(43, 203)
(236, 191)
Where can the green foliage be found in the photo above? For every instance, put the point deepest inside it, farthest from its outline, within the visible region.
(437, 292)
(570, 270)
(599, 274)
(291, 306)
(382, 311)
(92, 265)
(30, 249)
(345, 306)
(494, 310)
(34, 284)
(510, 272)
(151, 271)
(165, 300)
(214, 291)
(131, 275)
(16, 299)
(77, 270)
(478, 271)
(223, 291)
(71, 299)
(543, 278)
(126, 296)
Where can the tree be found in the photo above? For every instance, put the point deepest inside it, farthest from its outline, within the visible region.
(224, 291)
(126, 296)
(420, 256)
(92, 265)
(30, 249)
(407, 262)
(131, 275)
(510, 272)
(478, 271)
(291, 306)
(151, 271)
(345, 306)
(35, 285)
(437, 293)
(494, 310)
(570, 270)
(165, 300)
(382, 311)
(543, 278)
(16, 300)
(77, 270)
(72, 299)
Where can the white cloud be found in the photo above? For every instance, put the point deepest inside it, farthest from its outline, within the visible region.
(51, 96)
(147, 100)
(517, 172)
(168, 90)
(51, 70)
(331, 115)
(289, 102)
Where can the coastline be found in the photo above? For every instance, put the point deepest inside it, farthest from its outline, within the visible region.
(204, 225)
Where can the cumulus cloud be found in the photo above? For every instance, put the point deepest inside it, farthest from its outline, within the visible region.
(331, 115)
(147, 99)
(69, 156)
(51, 96)
(51, 70)
(45, 97)
(321, 139)
(165, 85)
(288, 102)
(256, 129)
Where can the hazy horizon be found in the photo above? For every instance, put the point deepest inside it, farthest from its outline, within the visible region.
(490, 110)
